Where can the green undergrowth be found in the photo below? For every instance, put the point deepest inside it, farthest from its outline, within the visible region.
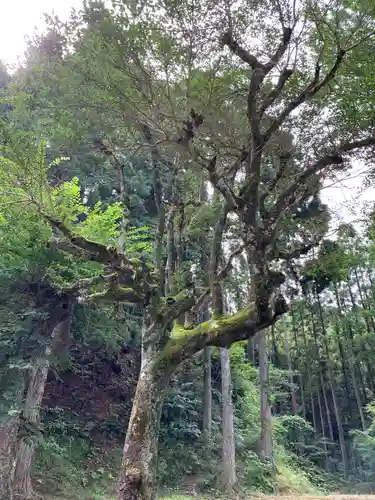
(71, 466)
(77, 462)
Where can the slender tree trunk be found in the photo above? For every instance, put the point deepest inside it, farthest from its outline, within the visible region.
(360, 367)
(207, 351)
(344, 455)
(320, 406)
(266, 441)
(251, 348)
(308, 370)
(336, 408)
(322, 381)
(319, 388)
(207, 396)
(364, 303)
(344, 362)
(298, 364)
(229, 455)
(351, 364)
(218, 308)
(251, 344)
(171, 253)
(327, 408)
(290, 370)
(321, 376)
(273, 356)
(370, 374)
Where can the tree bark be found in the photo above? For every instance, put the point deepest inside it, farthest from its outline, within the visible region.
(8, 439)
(31, 412)
(22, 484)
(9, 422)
(266, 441)
(207, 394)
(137, 478)
(228, 477)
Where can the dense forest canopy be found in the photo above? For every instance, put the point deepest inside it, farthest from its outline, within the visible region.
(161, 220)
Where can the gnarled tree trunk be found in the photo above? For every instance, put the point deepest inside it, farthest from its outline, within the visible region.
(137, 477)
(9, 422)
(26, 449)
(8, 439)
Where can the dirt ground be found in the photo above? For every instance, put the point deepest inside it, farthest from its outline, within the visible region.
(329, 497)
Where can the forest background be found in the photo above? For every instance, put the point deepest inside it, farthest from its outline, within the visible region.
(129, 138)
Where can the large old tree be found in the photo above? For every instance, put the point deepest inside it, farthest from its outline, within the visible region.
(252, 101)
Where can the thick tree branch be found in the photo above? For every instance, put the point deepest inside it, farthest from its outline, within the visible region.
(233, 169)
(216, 254)
(157, 160)
(228, 40)
(113, 294)
(282, 169)
(310, 91)
(292, 254)
(221, 332)
(220, 184)
(102, 253)
(78, 253)
(245, 56)
(260, 71)
(276, 91)
(221, 275)
(176, 306)
(280, 51)
(85, 283)
(257, 79)
(218, 181)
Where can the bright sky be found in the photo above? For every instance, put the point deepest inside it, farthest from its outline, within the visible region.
(21, 17)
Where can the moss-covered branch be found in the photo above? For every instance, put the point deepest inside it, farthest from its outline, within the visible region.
(220, 332)
(173, 307)
(118, 294)
(99, 252)
(85, 283)
(78, 253)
